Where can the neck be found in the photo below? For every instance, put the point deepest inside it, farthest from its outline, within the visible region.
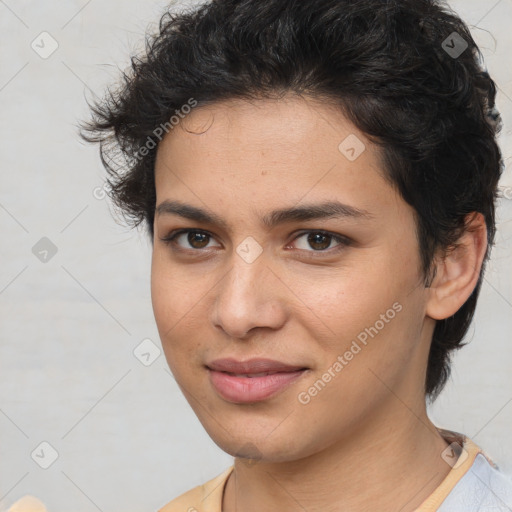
(391, 463)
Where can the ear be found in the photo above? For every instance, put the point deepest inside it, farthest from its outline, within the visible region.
(458, 270)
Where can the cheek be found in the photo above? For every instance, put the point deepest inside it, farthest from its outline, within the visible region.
(342, 303)
(176, 308)
(173, 292)
(377, 305)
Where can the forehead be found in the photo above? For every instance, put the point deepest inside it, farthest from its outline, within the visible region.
(275, 152)
(294, 129)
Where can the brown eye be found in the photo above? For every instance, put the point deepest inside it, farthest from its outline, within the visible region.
(320, 241)
(196, 237)
(194, 240)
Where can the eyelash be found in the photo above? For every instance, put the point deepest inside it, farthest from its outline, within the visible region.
(343, 241)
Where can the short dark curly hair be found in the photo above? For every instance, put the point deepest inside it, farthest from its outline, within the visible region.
(407, 73)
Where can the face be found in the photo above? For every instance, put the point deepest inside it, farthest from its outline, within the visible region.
(338, 297)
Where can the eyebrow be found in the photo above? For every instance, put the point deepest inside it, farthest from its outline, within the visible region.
(329, 209)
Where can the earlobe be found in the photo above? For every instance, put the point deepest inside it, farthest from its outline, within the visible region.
(458, 270)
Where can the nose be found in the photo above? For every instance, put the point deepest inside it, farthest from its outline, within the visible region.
(249, 296)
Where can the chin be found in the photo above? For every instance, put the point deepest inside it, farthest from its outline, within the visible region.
(253, 449)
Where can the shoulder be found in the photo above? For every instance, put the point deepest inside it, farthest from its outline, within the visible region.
(484, 488)
(206, 497)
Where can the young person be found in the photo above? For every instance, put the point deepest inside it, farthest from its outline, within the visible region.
(318, 180)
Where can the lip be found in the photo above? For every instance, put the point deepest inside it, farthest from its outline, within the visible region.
(256, 365)
(244, 389)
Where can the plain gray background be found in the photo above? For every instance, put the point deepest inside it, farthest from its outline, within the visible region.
(125, 436)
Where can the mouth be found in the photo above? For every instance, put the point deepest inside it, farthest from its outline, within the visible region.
(252, 381)
(253, 375)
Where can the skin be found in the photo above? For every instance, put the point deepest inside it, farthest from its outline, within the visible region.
(364, 441)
